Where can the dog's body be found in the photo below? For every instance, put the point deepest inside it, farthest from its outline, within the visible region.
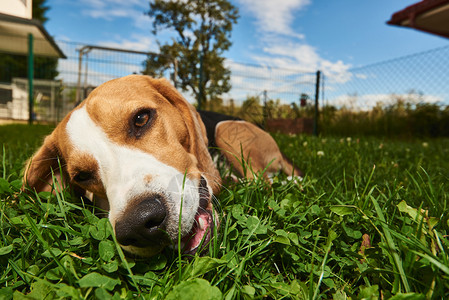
(249, 149)
(142, 150)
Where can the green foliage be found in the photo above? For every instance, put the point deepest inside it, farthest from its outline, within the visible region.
(254, 110)
(401, 119)
(202, 34)
(17, 144)
(367, 222)
(39, 10)
(17, 66)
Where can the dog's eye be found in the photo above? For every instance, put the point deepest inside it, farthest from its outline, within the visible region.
(142, 119)
(141, 122)
(83, 176)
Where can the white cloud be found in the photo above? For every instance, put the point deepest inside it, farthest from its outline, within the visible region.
(95, 78)
(112, 9)
(142, 21)
(288, 54)
(275, 16)
(135, 42)
(283, 46)
(336, 72)
(298, 55)
(109, 14)
(361, 76)
(104, 4)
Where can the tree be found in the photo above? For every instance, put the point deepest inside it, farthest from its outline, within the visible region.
(16, 65)
(202, 34)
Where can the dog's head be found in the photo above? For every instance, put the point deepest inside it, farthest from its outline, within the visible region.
(139, 147)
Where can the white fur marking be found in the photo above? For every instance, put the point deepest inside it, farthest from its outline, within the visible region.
(123, 171)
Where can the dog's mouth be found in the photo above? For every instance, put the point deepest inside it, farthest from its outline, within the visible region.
(201, 233)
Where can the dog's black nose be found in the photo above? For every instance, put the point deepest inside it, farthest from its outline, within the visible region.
(142, 225)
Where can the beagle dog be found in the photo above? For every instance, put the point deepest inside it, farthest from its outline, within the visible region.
(141, 151)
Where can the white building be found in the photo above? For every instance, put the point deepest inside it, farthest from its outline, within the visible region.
(17, 8)
(18, 30)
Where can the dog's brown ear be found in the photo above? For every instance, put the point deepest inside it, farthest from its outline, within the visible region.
(197, 131)
(42, 166)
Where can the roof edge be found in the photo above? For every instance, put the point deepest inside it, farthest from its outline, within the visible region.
(410, 12)
(36, 23)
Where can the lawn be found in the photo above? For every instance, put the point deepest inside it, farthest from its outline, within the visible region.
(369, 220)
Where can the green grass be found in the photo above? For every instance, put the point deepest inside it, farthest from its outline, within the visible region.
(284, 241)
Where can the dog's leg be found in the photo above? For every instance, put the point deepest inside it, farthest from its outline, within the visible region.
(250, 150)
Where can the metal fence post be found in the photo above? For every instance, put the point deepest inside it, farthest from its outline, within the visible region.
(200, 87)
(317, 95)
(80, 68)
(30, 78)
(265, 108)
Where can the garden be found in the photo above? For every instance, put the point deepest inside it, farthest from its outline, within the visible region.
(368, 221)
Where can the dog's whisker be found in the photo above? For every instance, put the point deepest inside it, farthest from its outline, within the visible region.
(44, 159)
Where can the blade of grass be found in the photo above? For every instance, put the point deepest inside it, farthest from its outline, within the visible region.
(366, 186)
(4, 162)
(391, 245)
(47, 247)
(19, 272)
(331, 236)
(57, 186)
(124, 261)
(180, 227)
(312, 268)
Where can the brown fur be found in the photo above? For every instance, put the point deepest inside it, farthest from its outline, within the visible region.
(177, 138)
(251, 150)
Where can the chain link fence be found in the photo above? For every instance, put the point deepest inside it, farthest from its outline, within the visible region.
(406, 96)
(75, 77)
(421, 77)
(259, 93)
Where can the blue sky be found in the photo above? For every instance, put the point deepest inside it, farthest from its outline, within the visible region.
(294, 33)
(308, 35)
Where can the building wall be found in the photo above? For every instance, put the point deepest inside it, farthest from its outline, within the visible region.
(18, 8)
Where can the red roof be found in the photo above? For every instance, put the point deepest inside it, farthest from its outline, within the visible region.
(431, 16)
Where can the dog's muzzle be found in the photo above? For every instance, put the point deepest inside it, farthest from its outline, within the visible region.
(144, 226)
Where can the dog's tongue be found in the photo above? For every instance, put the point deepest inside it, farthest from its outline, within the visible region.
(199, 230)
